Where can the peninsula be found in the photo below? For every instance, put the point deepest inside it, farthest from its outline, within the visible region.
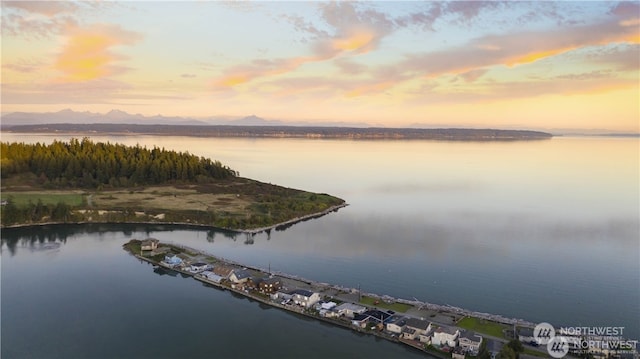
(439, 331)
(81, 181)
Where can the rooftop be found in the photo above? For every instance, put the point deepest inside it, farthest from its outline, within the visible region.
(302, 292)
(350, 306)
(447, 330)
(241, 273)
(471, 336)
(271, 280)
(380, 315)
(408, 330)
(418, 323)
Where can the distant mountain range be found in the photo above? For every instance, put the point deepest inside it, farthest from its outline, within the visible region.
(120, 117)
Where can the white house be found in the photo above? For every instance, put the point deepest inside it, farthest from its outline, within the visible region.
(470, 342)
(211, 276)
(425, 338)
(360, 320)
(280, 295)
(350, 310)
(239, 276)
(396, 326)
(328, 305)
(199, 267)
(445, 336)
(172, 260)
(305, 298)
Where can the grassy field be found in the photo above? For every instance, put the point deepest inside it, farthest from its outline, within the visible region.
(22, 199)
(237, 203)
(171, 198)
(483, 326)
(397, 307)
(535, 353)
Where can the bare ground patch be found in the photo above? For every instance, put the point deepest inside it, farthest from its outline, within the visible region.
(172, 199)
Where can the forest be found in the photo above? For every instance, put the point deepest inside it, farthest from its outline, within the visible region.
(88, 164)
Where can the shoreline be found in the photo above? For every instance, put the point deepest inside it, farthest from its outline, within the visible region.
(251, 231)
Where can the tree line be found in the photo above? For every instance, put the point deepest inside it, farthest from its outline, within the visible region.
(35, 212)
(88, 164)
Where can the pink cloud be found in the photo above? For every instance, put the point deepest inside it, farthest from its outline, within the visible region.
(47, 8)
(355, 31)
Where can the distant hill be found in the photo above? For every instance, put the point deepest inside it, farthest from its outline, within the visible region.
(272, 131)
(73, 117)
(121, 117)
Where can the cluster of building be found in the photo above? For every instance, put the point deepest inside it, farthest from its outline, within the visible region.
(236, 278)
(448, 339)
(417, 332)
(408, 329)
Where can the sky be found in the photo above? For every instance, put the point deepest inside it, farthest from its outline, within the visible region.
(536, 65)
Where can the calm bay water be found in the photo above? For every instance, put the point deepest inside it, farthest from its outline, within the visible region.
(544, 231)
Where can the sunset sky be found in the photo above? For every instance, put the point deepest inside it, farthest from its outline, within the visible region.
(539, 65)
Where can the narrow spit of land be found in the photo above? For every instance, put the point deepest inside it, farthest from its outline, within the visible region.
(281, 293)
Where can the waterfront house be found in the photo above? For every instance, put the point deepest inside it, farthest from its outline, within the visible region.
(210, 276)
(239, 276)
(425, 338)
(305, 298)
(396, 324)
(377, 316)
(149, 244)
(269, 285)
(445, 336)
(360, 320)
(285, 297)
(328, 305)
(172, 260)
(470, 342)
(421, 326)
(408, 333)
(325, 309)
(457, 353)
(223, 271)
(199, 267)
(349, 310)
